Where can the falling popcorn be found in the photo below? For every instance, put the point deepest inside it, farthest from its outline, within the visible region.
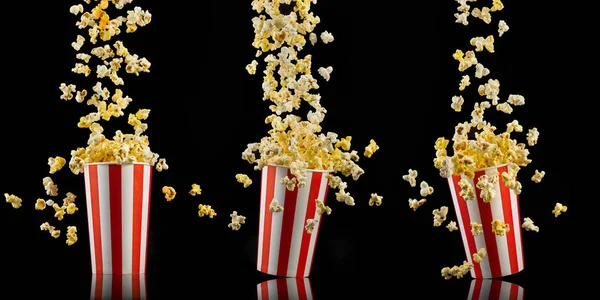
(452, 226)
(411, 177)
(274, 207)
(476, 228)
(326, 37)
(457, 103)
(532, 136)
(414, 203)
(236, 221)
(13, 200)
(487, 187)
(457, 271)
(426, 190)
(50, 187)
(466, 190)
(375, 200)
(169, 193)
(59, 211)
(464, 83)
(251, 68)
(500, 228)
(40, 204)
(71, 235)
(528, 225)
(481, 71)
(325, 72)
(56, 163)
(196, 190)
(538, 176)
(290, 184)
(243, 179)
(558, 209)
(478, 257)
(310, 225)
(502, 28)
(321, 208)
(439, 216)
(371, 148)
(206, 210)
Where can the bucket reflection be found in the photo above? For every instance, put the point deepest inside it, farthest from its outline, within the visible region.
(284, 289)
(107, 286)
(494, 290)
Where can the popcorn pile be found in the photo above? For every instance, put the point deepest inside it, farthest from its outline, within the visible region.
(287, 82)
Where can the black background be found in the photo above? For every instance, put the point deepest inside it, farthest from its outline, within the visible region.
(393, 80)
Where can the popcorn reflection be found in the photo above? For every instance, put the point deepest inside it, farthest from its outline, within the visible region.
(107, 286)
(284, 289)
(494, 290)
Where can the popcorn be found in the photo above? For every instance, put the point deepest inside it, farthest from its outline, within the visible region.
(56, 163)
(274, 207)
(78, 43)
(446, 168)
(490, 90)
(321, 208)
(313, 38)
(50, 187)
(461, 18)
(538, 176)
(479, 255)
(457, 102)
(55, 233)
(161, 165)
(46, 226)
(452, 226)
(414, 203)
(487, 187)
(411, 177)
(325, 72)
(502, 27)
(71, 208)
(236, 221)
(500, 228)
(71, 235)
(426, 190)
(15, 201)
(481, 71)
(244, 179)
(465, 60)
(40, 204)
(514, 126)
(464, 83)
(532, 136)
(76, 9)
(476, 228)
(371, 148)
(310, 225)
(67, 91)
(510, 181)
(505, 108)
(516, 100)
(558, 209)
(83, 56)
(344, 143)
(206, 210)
(480, 43)
(290, 184)
(59, 211)
(196, 190)
(251, 68)
(466, 190)
(169, 193)
(342, 196)
(497, 5)
(528, 225)
(326, 37)
(457, 271)
(483, 14)
(439, 216)
(375, 200)
(49, 202)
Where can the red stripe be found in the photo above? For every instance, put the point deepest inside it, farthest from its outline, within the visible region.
(116, 230)
(271, 172)
(301, 289)
(285, 243)
(98, 291)
(315, 187)
(95, 202)
(466, 223)
(135, 285)
(519, 229)
(319, 227)
(150, 169)
(477, 287)
(485, 211)
(138, 194)
(117, 283)
(264, 288)
(514, 290)
(495, 290)
(508, 218)
(282, 288)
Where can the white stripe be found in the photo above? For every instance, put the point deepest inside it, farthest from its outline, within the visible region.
(501, 241)
(142, 286)
(486, 286)
(308, 289)
(88, 197)
(292, 287)
(263, 211)
(272, 287)
(520, 296)
(298, 229)
(277, 221)
(145, 216)
(106, 282)
(127, 286)
(259, 290)
(505, 290)
(104, 196)
(514, 202)
(464, 228)
(475, 216)
(127, 217)
(313, 236)
(472, 288)
(93, 287)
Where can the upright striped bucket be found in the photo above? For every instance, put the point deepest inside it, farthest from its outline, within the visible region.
(504, 253)
(284, 246)
(284, 289)
(488, 289)
(118, 208)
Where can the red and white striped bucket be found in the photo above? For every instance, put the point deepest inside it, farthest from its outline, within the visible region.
(504, 253)
(284, 289)
(284, 246)
(118, 208)
(487, 289)
(109, 286)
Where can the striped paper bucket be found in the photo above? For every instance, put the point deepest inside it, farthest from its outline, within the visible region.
(484, 289)
(109, 286)
(118, 208)
(284, 246)
(504, 253)
(284, 289)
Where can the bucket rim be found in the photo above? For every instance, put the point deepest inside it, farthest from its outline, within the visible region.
(117, 164)
(309, 170)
